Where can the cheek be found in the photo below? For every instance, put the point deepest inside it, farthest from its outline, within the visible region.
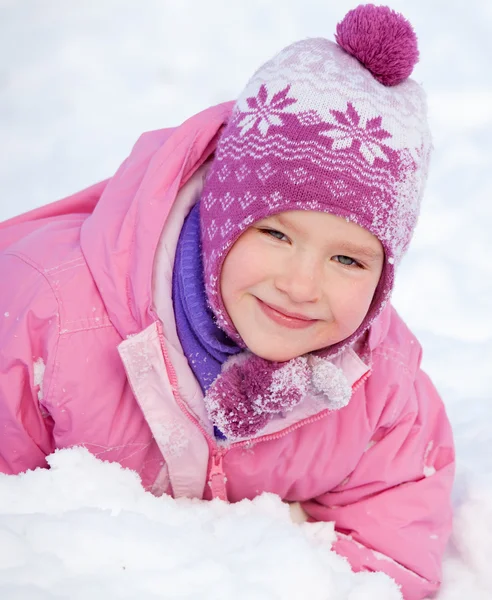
(353, 301)
(241, 270)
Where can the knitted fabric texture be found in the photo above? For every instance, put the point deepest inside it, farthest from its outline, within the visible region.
(315, 129)
(204, 344)
(251, 391)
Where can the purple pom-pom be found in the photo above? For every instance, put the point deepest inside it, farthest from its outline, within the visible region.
(382, 40)
(228, 404)
(288, 387)
(251, 390)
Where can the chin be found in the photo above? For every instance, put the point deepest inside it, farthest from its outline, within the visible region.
(274, 354)
(280, 352)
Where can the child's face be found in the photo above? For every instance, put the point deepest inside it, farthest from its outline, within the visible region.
(300, 281)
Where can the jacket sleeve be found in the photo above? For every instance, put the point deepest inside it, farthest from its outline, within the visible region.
(393, 512)
(28, 317)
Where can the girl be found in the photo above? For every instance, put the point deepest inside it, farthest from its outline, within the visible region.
(216, 315)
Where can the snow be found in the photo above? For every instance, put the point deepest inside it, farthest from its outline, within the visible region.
(429, 471)
(86, 529)
(39, 368)
(78, 83)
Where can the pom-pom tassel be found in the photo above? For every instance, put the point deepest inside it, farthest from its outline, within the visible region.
(329, 380)
(382, 40)
(250, 390)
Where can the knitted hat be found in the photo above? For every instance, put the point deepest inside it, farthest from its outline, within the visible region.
(337, 128)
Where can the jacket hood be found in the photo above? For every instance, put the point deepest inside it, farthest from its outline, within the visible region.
(119, 239)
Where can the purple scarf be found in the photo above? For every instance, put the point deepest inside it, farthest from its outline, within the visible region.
(205, 345)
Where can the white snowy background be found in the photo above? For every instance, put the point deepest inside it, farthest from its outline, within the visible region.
(79, 82)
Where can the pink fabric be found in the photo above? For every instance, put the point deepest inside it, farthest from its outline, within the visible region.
(79, 298)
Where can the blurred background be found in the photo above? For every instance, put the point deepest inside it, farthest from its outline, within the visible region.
(80, 81)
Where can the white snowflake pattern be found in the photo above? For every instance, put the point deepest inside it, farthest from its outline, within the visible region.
(265, 111)
(348, 128)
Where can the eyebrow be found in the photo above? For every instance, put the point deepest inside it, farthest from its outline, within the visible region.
(364, 250)
(286, 222)
(360, 250)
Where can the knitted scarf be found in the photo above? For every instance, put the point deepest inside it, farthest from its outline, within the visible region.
(205, 345)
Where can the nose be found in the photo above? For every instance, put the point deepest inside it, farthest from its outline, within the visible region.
(300, 279)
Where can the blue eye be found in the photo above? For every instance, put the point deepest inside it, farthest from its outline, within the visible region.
(346, 260)
(278, 235)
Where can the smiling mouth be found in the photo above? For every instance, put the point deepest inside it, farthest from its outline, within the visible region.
(291, 320)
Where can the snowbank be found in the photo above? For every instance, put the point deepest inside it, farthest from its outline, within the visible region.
(86, 529)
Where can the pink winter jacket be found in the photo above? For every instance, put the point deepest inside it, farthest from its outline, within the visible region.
(89, 356)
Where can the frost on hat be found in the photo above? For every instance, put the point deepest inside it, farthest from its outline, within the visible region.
(324, 126)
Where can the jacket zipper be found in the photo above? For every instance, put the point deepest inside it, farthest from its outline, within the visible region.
(360, 381)
(217, 479)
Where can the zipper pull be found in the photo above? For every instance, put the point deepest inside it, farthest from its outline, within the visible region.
(217, 479)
